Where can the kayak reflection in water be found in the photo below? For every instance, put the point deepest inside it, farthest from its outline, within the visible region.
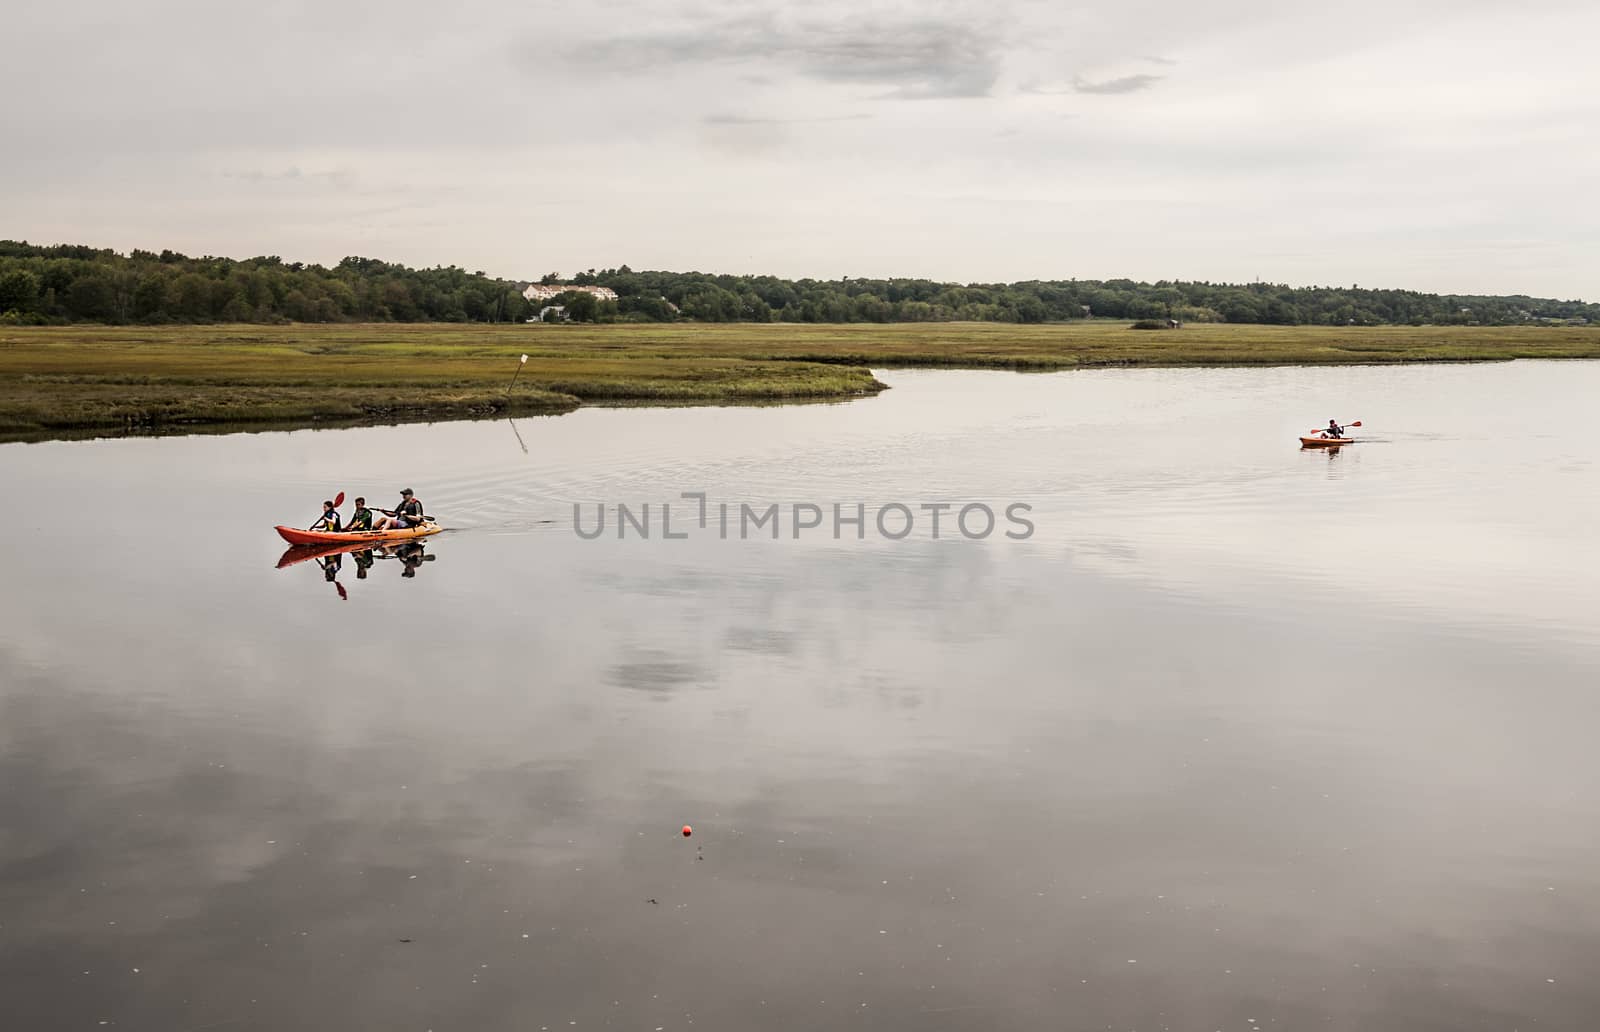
(330, 558)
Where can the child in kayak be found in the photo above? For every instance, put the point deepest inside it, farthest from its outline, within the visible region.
(329, 520)
(361, 519)
(408, 514)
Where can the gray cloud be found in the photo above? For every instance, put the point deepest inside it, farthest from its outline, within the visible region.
(465, 141)
(1126, 84)
(917, 57)
(723, 119)
(337, 178)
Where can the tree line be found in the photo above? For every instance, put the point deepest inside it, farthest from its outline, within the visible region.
(71, 283)
(719, 298)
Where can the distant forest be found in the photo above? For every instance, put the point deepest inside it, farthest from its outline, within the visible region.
(70, 283)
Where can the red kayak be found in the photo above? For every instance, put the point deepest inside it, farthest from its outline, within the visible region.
(1319, 437)
(356, 537)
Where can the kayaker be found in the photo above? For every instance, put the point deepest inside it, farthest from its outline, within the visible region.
(329, 520)
(1334, 430)
(407, 514)
(361, 519)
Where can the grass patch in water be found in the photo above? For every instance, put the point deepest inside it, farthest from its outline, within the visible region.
(144, 378)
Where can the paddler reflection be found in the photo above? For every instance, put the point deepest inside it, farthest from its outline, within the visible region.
(408, 555)
(330, 573)
(412, 554)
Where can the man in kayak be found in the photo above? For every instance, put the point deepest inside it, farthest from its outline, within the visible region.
(1334, 430)
(329, 520)
(408, 514)
(361, 519)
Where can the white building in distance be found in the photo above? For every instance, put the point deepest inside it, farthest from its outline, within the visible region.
(546, 291)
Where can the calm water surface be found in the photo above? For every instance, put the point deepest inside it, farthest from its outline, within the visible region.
(1242, 737)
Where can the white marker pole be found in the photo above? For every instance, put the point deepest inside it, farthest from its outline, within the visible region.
(516, 374)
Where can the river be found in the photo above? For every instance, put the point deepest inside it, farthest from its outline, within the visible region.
(1205, 732)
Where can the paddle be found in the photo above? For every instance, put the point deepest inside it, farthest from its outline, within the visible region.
(1320, 429)
(420, 519)
(338, 500)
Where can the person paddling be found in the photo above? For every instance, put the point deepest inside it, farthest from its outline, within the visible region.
(361, 519)
(1334, 430)
(408, 514)
(329, 520)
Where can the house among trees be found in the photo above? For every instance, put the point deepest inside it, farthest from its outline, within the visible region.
(67, 283)
(546, 291)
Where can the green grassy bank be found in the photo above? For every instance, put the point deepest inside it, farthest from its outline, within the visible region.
(60, 380)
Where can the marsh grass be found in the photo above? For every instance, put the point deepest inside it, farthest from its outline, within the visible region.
(119, 379)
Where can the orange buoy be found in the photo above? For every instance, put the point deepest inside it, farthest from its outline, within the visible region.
(687, 831)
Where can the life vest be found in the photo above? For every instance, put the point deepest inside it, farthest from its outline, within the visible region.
(361, 519)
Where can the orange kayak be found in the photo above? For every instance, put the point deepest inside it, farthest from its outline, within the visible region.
(1325, 442)
(356, 537)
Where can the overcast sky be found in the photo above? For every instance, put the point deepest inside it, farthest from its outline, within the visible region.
(1446, 145)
